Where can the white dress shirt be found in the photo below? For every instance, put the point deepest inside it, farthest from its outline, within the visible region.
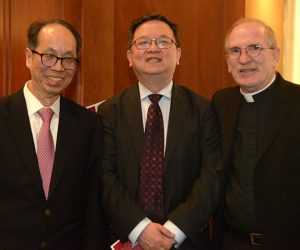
(33, 106)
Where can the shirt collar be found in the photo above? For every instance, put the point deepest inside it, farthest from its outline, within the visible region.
(249, 96)
(165, 92)
(34, 105)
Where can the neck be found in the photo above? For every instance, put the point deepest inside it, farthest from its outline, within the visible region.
(154, 84)
(45, 100)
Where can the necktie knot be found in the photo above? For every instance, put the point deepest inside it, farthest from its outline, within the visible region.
(46, 114)
(154, 98)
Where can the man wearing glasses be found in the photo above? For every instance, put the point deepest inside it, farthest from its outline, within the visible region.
(161, 166)
(259, 123)
(49, 151)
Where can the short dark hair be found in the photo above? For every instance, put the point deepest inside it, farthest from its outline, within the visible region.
(35, 27)
(136, 23)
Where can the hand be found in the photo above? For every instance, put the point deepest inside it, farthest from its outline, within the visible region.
(156, 237)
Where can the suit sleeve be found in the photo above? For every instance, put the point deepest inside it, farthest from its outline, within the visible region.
(95, 227)
(191, 216)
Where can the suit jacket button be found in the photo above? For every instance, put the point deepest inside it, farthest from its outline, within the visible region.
(44, 244)
(48, 212)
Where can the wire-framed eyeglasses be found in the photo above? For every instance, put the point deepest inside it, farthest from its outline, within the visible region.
(145, 43)
(49, 60)
(252, 50)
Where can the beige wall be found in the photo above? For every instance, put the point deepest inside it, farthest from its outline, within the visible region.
(272, 13)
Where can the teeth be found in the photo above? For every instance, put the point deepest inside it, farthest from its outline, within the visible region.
(153, 59)
(55, 78)
(247, 70)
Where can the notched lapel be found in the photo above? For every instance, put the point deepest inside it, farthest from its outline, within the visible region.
(132, 107)
(178, 108)
(133, 114)
(19, 128)
(65, 135)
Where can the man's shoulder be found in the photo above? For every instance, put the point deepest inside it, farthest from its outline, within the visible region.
(121, 97)
(70, 106)
(295, 88)
(186, 91)
(11, 100)
(228, 91)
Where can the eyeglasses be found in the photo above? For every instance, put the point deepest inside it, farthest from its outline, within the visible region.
(252, 50)
(161, 43)
(49, 60)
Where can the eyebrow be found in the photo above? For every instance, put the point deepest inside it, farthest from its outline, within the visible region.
(160, 36)
(54, 52)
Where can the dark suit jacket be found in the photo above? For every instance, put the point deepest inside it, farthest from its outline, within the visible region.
(192, 163)
(277, 173)
(26, 217)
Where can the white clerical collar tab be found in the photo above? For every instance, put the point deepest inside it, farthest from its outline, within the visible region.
(248, 97)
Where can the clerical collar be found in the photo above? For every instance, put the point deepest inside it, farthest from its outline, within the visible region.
(249, 96)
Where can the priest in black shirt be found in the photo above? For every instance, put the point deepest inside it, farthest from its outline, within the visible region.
(259, 121)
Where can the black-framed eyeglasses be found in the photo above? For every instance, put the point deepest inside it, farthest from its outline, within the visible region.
(49, 60)
(252, 50)
(161, 43)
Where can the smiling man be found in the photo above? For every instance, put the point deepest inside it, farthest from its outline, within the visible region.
(46, 171)
(161, 168)
(259, 123)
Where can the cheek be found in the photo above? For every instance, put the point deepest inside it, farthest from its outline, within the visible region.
(231, 66)
(37, 72)
(138, 60)
(70, 77)
(172, 59)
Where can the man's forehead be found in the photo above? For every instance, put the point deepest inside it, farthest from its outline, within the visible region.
(249, 27)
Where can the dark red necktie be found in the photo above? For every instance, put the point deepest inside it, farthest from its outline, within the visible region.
(152, 161)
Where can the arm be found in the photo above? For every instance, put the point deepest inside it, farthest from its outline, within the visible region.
(201, 200)
(123, 213)
(125, 216)
(95, 228)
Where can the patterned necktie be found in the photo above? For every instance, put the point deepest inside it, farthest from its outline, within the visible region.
(45, 148)
(152, 161)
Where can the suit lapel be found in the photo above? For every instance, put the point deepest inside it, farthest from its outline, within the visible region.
(176, 120)
(133, 112)
(65, 136)
(20, 130)
(134, 124)
(278, 111)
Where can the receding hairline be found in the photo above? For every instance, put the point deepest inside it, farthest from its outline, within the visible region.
(269, 32)
(52, 25)
(35, 28)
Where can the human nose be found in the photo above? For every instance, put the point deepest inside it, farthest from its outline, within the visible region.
(58, 65)
(153, 44)
(244, 56)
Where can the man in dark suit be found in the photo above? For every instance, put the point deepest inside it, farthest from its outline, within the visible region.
(40, 211)
(191, 169)
(259, 122)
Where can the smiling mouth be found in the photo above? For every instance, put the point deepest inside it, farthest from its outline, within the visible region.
(153, 59)
(247, 70)
(52, 78)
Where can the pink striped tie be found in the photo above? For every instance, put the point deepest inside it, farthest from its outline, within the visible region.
(45, 148)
